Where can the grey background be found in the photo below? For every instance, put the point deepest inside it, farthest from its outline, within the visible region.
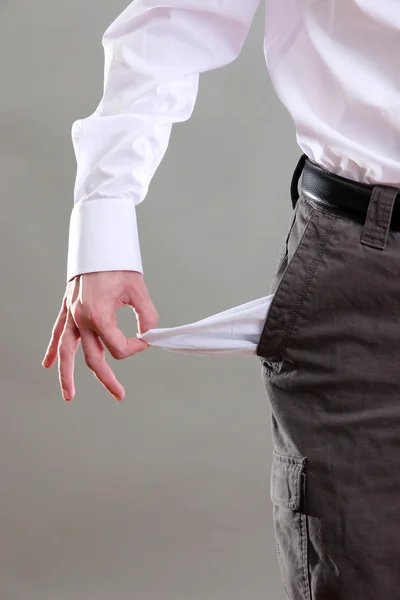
(165, 495)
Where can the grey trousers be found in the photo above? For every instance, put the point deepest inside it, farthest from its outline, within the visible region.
(330, 358)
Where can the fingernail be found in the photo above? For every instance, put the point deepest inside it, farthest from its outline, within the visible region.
(66, 395)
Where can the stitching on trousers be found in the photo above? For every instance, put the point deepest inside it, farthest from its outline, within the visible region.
(303, 554)
(384, 209)
(304, 482)
(369, 227)
(278, 551)
(371, 239)
(267, 365)
(377, 232)
(289, 327)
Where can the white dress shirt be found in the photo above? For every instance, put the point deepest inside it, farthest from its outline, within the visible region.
(335, 65)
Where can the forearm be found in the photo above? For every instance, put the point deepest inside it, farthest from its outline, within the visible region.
(153, 57)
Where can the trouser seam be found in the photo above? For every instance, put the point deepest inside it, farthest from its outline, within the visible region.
(290, 325)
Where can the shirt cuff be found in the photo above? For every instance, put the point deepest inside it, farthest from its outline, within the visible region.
(103, 236)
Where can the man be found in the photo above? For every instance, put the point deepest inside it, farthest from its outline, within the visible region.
(330, 345)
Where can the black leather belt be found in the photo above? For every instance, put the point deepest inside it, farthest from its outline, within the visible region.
(342, 196)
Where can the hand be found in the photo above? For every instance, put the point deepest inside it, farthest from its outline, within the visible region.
(88, 314)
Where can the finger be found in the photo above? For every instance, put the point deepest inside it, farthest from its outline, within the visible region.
(146, 314)
(114, 339)
(69, 343)
(94, 354)
(51, 352)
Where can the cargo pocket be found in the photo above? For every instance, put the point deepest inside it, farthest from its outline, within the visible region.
(288, 489)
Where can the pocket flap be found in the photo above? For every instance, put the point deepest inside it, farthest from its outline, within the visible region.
(286, 480)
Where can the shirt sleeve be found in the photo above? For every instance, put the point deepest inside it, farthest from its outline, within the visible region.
(154, 53)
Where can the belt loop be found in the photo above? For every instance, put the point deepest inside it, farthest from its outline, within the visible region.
(379, 216)
(294, 192)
